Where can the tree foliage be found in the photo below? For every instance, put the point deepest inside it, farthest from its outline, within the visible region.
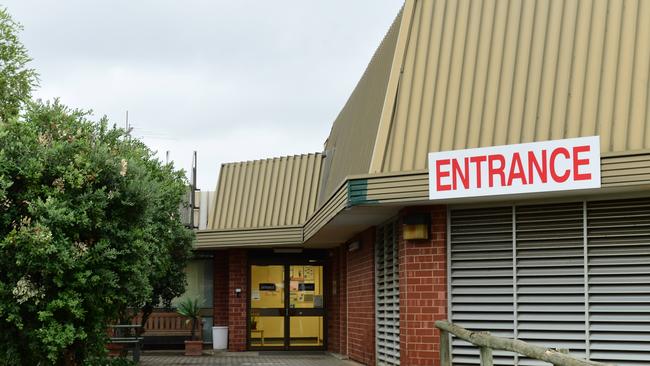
(16, 79)
(89, 223)
(86, 213)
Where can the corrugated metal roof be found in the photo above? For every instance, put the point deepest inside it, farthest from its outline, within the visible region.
(266, 193)
(352, 138)
(486, 73)
(454, 74)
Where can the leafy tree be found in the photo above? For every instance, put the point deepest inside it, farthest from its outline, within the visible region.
(167, 272)
(16, 79)
(88, 222)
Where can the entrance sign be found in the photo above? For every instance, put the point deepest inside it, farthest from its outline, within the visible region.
(545, 166)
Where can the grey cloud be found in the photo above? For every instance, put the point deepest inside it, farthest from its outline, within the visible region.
(234, 80)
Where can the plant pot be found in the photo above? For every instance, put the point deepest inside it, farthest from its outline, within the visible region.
(193, 348)
(115, 349)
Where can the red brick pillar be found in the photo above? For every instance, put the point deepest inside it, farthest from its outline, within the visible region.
(423, 290)
(360, 285)
(237, 278)
(333, 305)
(220, 288)
(343, 297)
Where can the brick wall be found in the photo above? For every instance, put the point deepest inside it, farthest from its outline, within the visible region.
(351, 308)
(361, 300)
(342, 298)
(220, 287)
(238, 278)
(332, 307)
(423, 289)
(351, 287)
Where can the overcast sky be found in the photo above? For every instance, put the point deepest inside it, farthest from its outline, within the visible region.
(234, 80)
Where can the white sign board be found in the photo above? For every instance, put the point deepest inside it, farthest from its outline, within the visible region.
(545, 166)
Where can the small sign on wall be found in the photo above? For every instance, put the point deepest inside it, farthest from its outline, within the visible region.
(318, 301)
(306, 287)
(267, 287)
(545, 166)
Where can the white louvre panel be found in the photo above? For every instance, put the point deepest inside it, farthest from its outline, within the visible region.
(619, 281)
(481, 278)
(387, 293)
(550, 277)
(599, 310)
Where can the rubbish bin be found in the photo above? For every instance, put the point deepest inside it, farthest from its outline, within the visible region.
(219, 337)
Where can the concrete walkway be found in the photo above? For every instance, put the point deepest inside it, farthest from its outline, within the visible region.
(243, 359)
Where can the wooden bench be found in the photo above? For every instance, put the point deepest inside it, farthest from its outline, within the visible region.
(167, 324)
(126, 334)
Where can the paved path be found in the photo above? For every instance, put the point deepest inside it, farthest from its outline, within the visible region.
(248, 359)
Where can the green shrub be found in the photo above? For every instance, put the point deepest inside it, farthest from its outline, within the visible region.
(89, 224)
(87, 217)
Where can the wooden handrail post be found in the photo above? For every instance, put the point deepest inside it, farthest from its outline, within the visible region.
(445, 359)
(486, 356)
(486, 353)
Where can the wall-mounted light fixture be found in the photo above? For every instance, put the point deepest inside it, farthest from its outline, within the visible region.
(354, 246)
(415, 226)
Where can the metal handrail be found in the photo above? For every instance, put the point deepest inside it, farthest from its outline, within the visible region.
(487, 343)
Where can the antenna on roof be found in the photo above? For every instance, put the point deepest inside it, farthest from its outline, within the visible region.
(193, 190)
(127, 125)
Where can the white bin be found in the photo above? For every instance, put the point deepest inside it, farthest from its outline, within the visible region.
(219, 337)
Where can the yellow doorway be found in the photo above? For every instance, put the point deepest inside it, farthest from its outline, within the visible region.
(287, 306)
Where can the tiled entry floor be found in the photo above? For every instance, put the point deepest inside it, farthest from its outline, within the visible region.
(243, 359)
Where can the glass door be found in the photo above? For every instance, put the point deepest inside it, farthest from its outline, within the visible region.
(306, 306)
(268, 310)
(287, 307)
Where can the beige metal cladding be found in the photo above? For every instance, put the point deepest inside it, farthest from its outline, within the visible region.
(619, 170)
(492, 72)
(278, 236)
(352, 138)
(266, 193)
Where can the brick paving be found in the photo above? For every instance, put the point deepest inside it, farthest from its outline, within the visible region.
(243, 359)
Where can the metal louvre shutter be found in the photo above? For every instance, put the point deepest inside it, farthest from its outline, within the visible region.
(481, 278)
(550, 277)
(579, 272)
(387, 294)
(619, 281)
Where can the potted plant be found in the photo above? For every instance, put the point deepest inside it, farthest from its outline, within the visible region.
(190, 308)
